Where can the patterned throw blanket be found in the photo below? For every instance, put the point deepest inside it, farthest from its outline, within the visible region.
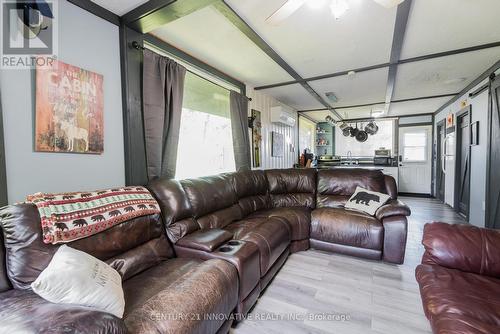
(67, 217)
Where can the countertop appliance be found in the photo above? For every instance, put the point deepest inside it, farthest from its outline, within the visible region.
(382, 157)
(382, 152)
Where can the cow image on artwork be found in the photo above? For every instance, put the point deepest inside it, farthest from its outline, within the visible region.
(365, 198)
(69, 109)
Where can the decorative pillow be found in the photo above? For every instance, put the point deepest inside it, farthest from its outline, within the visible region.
(75, 277)
(366, 200)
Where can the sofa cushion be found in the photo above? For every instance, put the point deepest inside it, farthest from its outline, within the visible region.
(27, 255)
(271, 235)
(335, 186)
(22, 311)
(299, 219)
(213, 200)
(347, 227)
(449, 291)
(4, 280)
(292, 187)
(176, 210)
(454, 323)
(180, 295)
(251, 190)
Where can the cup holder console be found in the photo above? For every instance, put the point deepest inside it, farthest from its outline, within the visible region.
(225, 249)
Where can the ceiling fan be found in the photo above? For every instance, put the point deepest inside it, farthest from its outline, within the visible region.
(338, 8)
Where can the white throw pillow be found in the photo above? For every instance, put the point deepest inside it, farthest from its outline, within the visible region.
(366, 200)
(75, 277)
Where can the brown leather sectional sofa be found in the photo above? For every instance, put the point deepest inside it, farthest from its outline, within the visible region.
(217, 245)
(459, 279)
(254, 219)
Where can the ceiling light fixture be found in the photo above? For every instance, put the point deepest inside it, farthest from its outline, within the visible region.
(338, 8)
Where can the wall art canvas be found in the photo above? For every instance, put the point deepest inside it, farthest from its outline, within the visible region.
(256, 137)
(69, 109)
(278, 144)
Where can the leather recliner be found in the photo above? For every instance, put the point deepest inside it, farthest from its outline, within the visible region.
(158, 288)
(459, 278)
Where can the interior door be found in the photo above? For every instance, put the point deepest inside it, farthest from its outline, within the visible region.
(462, 169)
(415, 165)
(440, 175)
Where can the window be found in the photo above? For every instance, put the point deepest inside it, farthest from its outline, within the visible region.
(383, 138)
(306, 135)
(415, 146)
(205, 140)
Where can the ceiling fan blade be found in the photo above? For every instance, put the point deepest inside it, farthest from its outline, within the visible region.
(388, 3)
(284, 11)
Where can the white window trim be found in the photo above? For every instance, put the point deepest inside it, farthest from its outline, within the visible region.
(426, 152)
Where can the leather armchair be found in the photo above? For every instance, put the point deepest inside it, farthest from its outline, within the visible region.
(458, 278)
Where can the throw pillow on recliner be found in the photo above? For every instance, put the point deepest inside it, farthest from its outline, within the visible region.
(366, 200)
(75, 277)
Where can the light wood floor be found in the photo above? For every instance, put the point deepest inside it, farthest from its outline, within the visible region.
(376, 297)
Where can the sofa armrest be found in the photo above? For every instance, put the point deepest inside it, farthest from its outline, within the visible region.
(395, 235)
(205, 240)
(463, 247)
(24, 311)
(392, 208)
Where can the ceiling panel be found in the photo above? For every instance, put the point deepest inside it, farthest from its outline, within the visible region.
(314, 43)
(364, 87)
(436, 26)
(442, 75)
(295, 96)
(417, 107)
(119, 7)
(358, 112)
(210, 37)
(318, 116)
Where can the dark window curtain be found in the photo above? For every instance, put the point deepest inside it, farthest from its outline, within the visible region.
(239, 125)
(163, 88)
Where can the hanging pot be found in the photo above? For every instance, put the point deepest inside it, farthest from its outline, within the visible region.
(371, 128)
(346, 129)
(362, 135)
(355, 131)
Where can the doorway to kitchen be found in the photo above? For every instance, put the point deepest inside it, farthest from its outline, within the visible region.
(440, 162)
(462, 161)
(415, 162)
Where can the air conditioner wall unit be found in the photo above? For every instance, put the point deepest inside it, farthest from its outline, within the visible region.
(283, 115)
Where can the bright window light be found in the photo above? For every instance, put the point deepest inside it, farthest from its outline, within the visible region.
(205, 140)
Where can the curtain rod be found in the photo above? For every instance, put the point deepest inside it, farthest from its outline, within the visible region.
(137, 46)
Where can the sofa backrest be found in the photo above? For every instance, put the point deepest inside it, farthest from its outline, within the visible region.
(463, 247)
(4, 280)
(130, 247)
(335, 186)
(177, 213)
(213, 200)
(251, 190)
(292, 187)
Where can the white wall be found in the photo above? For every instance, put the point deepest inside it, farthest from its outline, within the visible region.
(479, 107)
(263, 103)
(93, 44)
